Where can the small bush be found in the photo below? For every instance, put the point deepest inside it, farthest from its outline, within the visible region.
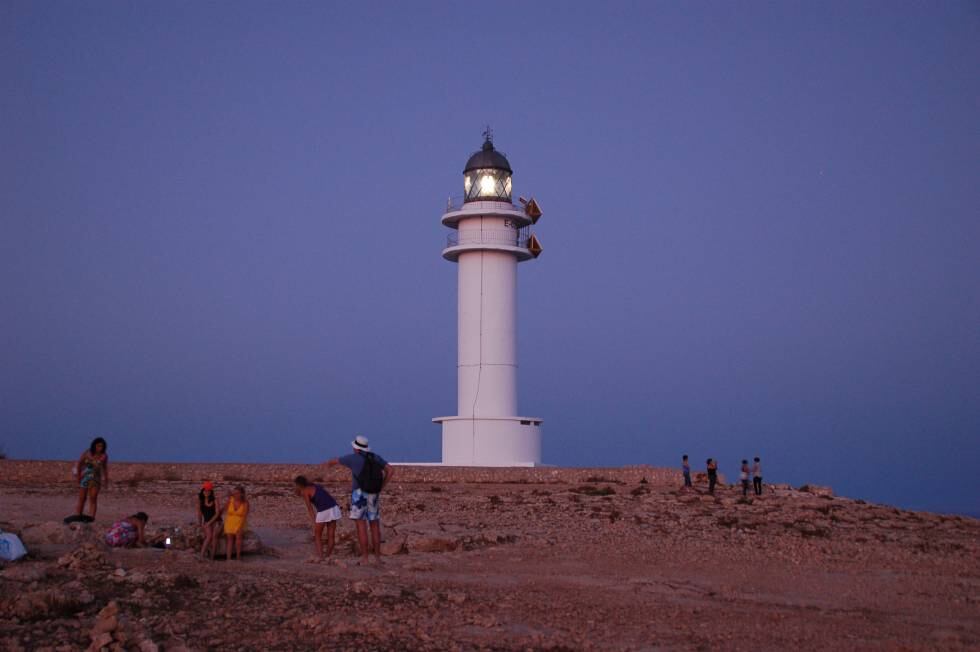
(495, 500)
(639, 491)
(643, 481)
(435, 490)
(602, 478)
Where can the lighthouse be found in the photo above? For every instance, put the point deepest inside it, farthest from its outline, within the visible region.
(490, 236)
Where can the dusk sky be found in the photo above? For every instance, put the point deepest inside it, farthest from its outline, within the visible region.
(220, 233)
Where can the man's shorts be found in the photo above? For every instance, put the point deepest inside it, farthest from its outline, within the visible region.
(328, 515)
(364, 507)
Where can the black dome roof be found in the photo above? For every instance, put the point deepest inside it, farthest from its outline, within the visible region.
(487, 157)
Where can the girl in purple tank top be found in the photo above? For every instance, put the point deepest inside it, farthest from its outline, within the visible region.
(324, 513)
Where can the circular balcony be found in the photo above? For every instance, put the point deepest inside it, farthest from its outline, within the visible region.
(513, 241)
(456, 211)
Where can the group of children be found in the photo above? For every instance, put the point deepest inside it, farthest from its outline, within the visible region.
(369, 474)
(712, 469)
(214, 521)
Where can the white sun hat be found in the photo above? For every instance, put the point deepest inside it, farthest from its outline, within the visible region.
(361, 443)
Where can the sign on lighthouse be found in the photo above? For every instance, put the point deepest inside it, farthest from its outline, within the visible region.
(490, 237)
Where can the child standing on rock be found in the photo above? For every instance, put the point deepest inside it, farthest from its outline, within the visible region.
(744, 477)
(235, 519)
(686, 468)
(209, 518)
(92, 471)
(324, 512)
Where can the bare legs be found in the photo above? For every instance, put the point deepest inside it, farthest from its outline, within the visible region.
(210, 540)
(80, 505)
(376, 539)
(318, 528)
(237, 540)
(92, 494)
(362, 539)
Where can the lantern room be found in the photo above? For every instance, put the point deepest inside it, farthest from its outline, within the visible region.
(487, 176)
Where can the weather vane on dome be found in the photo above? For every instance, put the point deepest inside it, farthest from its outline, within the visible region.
(488, 134)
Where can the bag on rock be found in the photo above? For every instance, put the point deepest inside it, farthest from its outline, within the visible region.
(11, 547)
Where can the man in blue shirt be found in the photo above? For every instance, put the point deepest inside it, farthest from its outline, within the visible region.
(365, 508)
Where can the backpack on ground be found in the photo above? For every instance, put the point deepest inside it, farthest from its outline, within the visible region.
(371, 476)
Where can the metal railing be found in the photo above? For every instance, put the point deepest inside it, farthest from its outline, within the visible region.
(507, 237)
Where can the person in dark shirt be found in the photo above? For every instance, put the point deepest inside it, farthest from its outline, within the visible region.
(365, 507)
(712, 475)
(324, 513)
(686, 468)
(209, 518)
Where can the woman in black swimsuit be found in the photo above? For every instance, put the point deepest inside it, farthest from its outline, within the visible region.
(208, 517)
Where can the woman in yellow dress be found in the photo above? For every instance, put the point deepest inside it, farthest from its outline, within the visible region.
(236, 514)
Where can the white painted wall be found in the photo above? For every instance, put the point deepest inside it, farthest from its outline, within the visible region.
(486, 431)
(487, 334)
(490, 442)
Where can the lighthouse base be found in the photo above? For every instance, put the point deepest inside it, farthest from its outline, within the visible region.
(490, 441)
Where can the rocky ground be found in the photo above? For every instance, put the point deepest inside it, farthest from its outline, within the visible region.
(557, 559)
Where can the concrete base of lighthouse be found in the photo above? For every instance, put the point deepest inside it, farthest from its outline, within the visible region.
(490, 441)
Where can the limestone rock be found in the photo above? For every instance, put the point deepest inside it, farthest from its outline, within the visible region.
(397, 547)
(817, 490)
(25, 573)
(433, 544)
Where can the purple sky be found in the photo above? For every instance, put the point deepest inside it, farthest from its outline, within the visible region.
(220, 230)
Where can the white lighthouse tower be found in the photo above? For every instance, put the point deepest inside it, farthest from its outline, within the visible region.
(490, 237)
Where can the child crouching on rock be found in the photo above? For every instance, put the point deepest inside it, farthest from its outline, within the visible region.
(127, 532)
(324, 513)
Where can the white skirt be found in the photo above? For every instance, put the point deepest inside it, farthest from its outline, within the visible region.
(328, 515)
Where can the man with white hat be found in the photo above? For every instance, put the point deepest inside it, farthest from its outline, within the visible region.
(369, 474)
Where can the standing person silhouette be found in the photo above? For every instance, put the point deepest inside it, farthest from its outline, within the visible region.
(686, 468)
(757, 476)
(712, 475)
(370, 473)
(744, 477)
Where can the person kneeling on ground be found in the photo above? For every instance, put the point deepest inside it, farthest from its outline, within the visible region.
(369, 473)
(324, 512)
(127, 532)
